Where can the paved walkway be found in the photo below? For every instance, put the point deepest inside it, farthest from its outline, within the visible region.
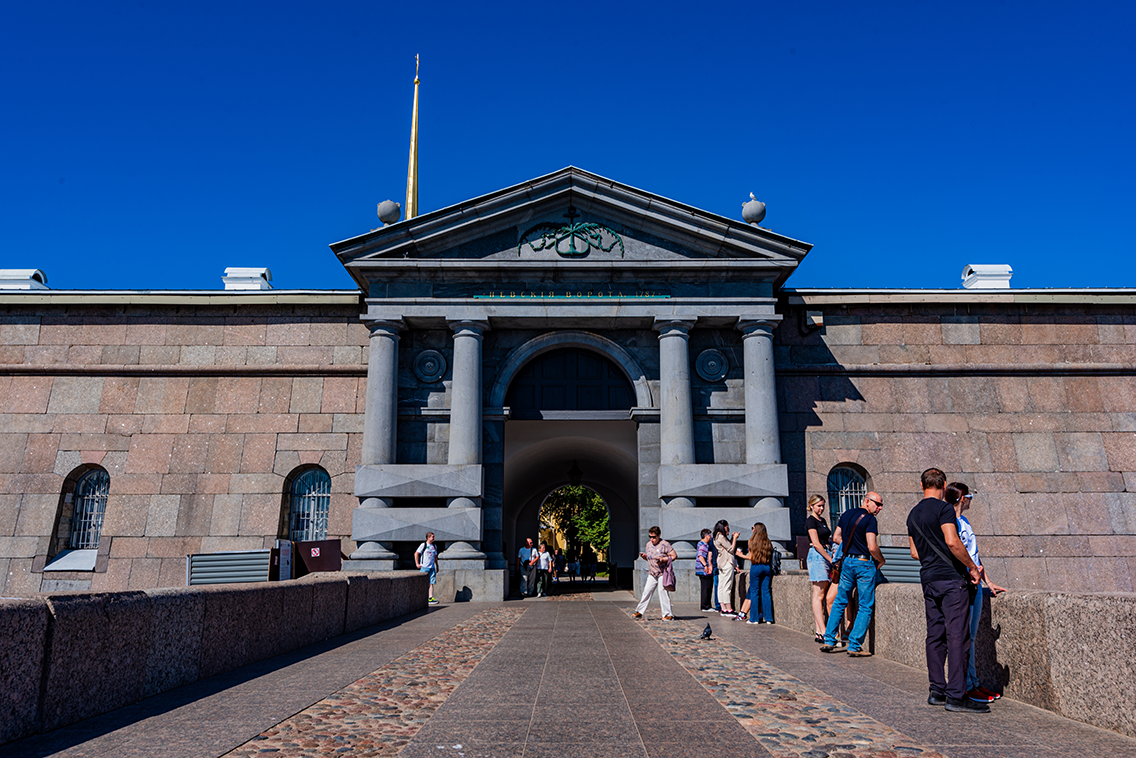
(568, 679)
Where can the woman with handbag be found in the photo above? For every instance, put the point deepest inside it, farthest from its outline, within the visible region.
(760, 576)
(819, 563)
(659, 555)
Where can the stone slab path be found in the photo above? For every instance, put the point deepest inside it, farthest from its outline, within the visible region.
(569, 679)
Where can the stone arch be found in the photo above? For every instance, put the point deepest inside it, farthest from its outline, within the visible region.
(537, 346)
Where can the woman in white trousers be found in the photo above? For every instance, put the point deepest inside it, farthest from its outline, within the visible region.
(658, 555)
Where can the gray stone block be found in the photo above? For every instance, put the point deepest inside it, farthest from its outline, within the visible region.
(472, 585)
(724, 480)
(329, 605)
(96, 655)
(240, 625)
(404, 480)
(411, 524)
(23, 627)
(173, 657)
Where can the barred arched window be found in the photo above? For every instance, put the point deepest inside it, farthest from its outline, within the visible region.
(90, 501)
(846, 490)
(308, 505)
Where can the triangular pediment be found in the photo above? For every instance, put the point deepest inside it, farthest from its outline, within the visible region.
(565, 219)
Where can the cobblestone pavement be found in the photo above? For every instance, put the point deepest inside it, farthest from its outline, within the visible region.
(788, 717)
(380, 713)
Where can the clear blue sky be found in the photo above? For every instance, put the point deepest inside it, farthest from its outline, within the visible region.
(148, 145)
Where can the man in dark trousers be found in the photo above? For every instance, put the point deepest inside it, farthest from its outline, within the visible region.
(949, 578)
(857, 531)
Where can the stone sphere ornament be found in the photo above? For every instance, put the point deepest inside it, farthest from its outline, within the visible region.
(753, 211)
(389, 211)
(429, 366)
(712, 365)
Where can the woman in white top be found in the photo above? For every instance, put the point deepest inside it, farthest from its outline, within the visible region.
(727, 544)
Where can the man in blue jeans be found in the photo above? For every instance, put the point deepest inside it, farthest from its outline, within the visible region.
(857, 533)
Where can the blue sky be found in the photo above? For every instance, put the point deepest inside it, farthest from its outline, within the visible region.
(148, 145)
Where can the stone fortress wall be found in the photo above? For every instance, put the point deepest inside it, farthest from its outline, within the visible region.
(201, 407)
(1028, 397)
(198, 413)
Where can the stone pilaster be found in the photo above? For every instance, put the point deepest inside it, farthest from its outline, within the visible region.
(380, 423)
(763, 436)
(676, 413)
(465, 421)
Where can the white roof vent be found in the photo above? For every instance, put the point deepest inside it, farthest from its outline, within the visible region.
(987, 276)
(22, 279)
(247, 279)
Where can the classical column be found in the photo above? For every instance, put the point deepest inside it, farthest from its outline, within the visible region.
(465, 418)
(763, 436)
(380, 420)
(676, 413)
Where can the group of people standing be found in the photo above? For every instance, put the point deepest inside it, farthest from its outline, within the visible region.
(539, 567)
(846, 562)
(716, 563)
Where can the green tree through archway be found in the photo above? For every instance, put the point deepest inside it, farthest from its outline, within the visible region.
(581, 516)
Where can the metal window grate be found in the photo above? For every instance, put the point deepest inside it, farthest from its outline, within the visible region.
(846, 490)
(309, 505)
(90, 505)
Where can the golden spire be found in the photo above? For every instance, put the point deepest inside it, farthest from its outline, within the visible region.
(412, 171)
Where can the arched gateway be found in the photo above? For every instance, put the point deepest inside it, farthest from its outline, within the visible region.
(567, 319)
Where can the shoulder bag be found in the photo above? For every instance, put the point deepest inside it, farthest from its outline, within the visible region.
(834, 567)
(668, 578)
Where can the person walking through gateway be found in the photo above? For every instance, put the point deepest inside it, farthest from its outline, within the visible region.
(959, 497)
(726, 542)
(858, 530)
(543, 570)
(819, 561)
(658, 555)
(949, 578)
(524, 565)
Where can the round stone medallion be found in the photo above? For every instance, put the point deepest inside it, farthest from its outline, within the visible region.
(429, 366)
(712, 365)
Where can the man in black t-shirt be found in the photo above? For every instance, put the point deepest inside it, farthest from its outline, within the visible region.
(856, 532)
(949, 578)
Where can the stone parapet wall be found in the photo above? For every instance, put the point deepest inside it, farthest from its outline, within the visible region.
(1032, 405)
(68, 657)
(1067, 653)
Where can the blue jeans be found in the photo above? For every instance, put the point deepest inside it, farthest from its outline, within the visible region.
(862, 576)
(760, 598)
(717, 606)
(975, 616)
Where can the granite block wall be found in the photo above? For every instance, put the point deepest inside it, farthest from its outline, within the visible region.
(71, 656)
(1032, 405)
(1065, 652)
(199, 415)
(201, 412)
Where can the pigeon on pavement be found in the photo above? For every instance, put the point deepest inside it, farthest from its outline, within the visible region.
(706, 633)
